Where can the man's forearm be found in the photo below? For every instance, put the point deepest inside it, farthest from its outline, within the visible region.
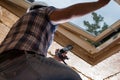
(81, 9)
(76, 10)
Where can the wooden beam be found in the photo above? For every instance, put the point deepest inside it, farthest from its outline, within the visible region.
(15, 9)
(3, 31)
(21, 3)
(7, 17)
(102, 55)
(111, 47)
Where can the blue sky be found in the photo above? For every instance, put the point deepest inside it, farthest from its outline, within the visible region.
(111, 12)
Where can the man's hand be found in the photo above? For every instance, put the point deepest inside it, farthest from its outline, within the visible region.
(56, 57)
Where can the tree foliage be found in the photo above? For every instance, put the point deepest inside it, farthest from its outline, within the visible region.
(98, 25)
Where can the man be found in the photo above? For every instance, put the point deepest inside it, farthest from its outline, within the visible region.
(23, 51)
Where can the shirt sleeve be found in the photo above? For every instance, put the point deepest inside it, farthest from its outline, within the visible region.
(49, 10)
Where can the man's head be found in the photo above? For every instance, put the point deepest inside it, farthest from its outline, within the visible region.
(36, 5)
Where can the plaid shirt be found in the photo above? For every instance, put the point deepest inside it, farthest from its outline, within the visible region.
(32, 32)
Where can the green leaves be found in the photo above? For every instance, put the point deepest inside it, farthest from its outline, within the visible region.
(96, 27)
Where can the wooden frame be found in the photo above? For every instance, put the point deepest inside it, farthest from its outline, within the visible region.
(81, 32)
(67, 34)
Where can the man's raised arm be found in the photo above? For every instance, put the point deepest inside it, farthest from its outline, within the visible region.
(76, 10)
